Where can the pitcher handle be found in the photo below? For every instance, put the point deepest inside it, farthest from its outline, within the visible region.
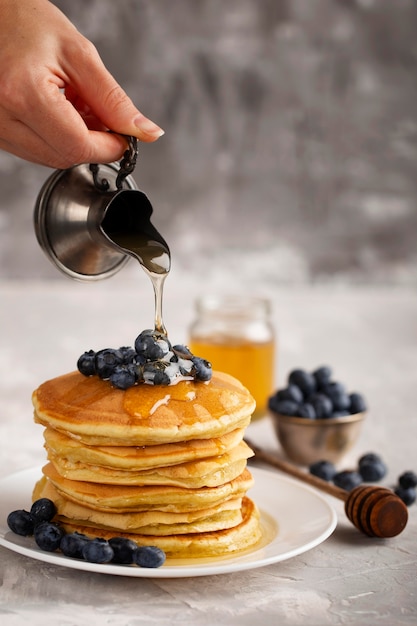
(127, 165)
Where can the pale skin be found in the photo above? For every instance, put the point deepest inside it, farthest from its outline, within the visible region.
(57, 99)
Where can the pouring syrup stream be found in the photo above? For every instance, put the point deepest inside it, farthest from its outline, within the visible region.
(127, 225)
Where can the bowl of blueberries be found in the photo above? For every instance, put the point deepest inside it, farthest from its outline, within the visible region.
(315, 417)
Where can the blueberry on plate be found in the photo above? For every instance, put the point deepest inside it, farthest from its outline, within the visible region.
(42, 510)
(323, 469)
(124, 550)
(98, 550)
(347, 479)
(86, 364)
(72, 545)
(21, 522)
(304, 380)
(149, 556)
(408, 479)
(48, 536)
(406, 494)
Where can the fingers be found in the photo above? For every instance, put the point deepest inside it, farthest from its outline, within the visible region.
(63, 143)
(96, 87)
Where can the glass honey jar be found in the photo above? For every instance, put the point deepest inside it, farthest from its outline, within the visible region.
(236, 335)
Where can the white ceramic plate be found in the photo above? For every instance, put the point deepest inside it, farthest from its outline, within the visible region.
(295, 518)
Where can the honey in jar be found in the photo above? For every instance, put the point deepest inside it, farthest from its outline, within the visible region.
(236, 335)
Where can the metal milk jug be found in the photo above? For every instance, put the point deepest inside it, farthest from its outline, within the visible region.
(72, 207)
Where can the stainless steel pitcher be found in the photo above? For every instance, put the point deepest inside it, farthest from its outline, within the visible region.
(70, 210)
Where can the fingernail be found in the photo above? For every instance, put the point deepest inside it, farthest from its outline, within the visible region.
(148, 127)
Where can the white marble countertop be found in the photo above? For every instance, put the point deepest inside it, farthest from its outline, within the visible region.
(369, 336)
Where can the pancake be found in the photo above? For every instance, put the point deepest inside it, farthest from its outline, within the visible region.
(154, 522)
(192, 545)
(209, 472)
(161, 465)
(122, 498)
(94, 412)
(138, 457)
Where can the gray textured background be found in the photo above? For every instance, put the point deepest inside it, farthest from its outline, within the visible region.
(291, 135)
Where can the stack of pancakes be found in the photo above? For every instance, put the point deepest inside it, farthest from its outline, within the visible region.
(163, 466)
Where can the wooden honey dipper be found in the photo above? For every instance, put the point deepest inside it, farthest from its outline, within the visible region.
(375, 511)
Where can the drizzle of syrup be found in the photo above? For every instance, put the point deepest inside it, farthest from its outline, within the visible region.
(185, 402)
(127, 225)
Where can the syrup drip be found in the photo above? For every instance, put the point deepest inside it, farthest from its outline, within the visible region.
(127, 224)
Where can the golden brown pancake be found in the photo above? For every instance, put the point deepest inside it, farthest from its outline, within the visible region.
(209, 472)
(216, 543)
(163, 466)
(138, 457)
(153, 522)
(122, 498)
(96, 413)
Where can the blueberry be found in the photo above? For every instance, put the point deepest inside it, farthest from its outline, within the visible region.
(128, 354)
(155, 374)
(323, 469)
(124, 376)
(323, 376)
(124, 550)
(322, 405)
(372, 472)
(97, 551)
(337, 394)
(357, 403)
(139, 359)
(407, 494)
(369, 457)
(152, 344)
(43, 510)
(408, 479)
(347, 479)
(292, 392)
(201, 369)
(106, 361)
(87, 363)
(306, 410)
(339, 413)
(21, 522)
(304, 380)
(48, 536)
(149, 556)
(285, 407)
(183, 352)
(72, 545)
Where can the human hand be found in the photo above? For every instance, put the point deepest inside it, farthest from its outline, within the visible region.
(57, 99)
